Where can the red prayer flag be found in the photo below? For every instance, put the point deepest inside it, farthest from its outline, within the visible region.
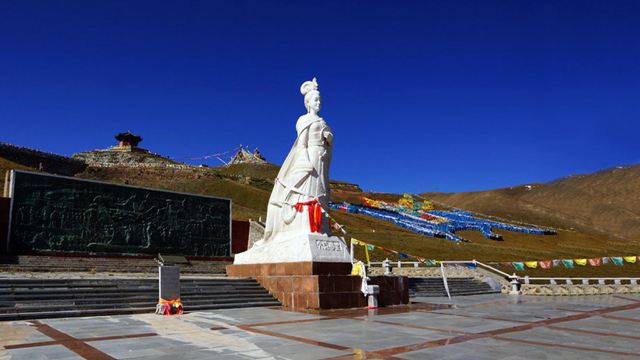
(595, 261)
(545, 264)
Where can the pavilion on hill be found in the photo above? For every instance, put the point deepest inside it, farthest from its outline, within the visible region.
(127, 142)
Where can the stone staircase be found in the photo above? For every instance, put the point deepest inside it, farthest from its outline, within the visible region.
(32, 263)
(48, 298)
(434, 287)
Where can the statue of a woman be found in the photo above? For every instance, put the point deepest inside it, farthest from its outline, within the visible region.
(301, 190)
(297, 227)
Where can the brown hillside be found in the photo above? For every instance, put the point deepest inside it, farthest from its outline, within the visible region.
(604, 202)
(5, 166)
(250, 185)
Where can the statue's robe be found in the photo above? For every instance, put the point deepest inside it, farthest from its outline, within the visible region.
(301, 178)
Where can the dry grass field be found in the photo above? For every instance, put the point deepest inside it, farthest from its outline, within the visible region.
(595, 213)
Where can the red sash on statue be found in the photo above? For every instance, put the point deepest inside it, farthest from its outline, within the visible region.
(315, 213)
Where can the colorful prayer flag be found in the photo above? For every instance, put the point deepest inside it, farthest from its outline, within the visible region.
(595, 261)
(518, 265)
(581, 262)
(568, 263)
(545, 264)
(531, 264)
(556, 262)
(356, 269)
(630, 259)
(617, 260)
(605, 260)
(370, 247)
(403, 256)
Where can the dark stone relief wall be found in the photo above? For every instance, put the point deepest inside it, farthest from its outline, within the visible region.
(69, 215)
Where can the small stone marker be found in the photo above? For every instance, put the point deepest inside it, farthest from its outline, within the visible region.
(373, 291)
(169, 291)
(169, 282)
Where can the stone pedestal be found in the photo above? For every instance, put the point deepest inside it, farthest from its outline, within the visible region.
(312, 272)
(310, 247)
(320, 285)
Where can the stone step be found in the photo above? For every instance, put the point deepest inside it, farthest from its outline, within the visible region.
(458, 293)
(123, 288)
(146, 297)
(8, 284)
(434, 287)
(34, 298)
(103, 312)
(39, 307)
(459, 288)
(89, 295)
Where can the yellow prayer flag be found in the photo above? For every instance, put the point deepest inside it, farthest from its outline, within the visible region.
(630, 259)
(581, 262)
(531, 264)
(355, 270)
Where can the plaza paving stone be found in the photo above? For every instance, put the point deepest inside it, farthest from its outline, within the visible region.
(472, 327)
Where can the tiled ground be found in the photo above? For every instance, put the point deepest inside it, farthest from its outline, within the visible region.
(475, 327)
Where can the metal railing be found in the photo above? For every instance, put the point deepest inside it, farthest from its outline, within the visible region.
(515, 280)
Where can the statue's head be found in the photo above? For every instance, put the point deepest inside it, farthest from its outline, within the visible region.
(311, 96)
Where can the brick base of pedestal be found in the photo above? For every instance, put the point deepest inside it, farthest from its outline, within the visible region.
(321, 285)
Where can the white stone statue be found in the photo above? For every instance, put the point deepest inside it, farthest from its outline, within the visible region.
(300, 197)
(304, 175)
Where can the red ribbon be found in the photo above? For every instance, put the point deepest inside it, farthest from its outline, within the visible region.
(315, 213)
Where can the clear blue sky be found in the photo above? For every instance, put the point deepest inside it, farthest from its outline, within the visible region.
(422, 95)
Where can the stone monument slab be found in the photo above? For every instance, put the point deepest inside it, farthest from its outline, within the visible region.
(169, 286)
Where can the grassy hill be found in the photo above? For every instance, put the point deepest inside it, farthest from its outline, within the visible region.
(606, 202)
(591, 198)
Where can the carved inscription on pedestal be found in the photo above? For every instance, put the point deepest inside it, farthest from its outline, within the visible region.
(328, 245)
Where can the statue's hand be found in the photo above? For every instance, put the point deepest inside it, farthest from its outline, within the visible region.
(327, 135)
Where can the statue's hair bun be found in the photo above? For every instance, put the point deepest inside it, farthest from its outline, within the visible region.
(308, 86)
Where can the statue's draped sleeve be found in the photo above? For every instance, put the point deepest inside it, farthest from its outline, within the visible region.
(288, 188)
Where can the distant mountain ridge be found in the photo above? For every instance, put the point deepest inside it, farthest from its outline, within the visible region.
(607, 201)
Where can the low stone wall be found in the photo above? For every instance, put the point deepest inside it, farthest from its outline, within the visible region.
(525, 289)
(134, 159)
(451, 271)
(344, 186)
(256, 232)
(566, 290)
